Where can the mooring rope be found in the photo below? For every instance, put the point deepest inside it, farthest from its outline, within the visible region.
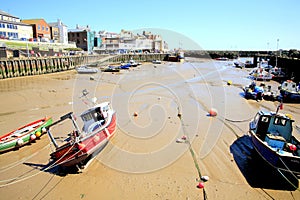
(192, 153)
(290, 171)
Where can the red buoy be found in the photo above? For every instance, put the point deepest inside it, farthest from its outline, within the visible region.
(293, 147)
(213, 112)
(200, 185)
(32, 137)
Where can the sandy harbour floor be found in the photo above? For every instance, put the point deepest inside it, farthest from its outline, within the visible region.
(143, 159)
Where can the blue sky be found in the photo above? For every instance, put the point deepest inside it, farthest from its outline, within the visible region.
(210, 25)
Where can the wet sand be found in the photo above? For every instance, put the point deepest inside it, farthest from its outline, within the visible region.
(143, 159)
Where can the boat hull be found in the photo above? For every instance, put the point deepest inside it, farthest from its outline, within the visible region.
(10, 142)
(275, 159)
(70, 155)
(287, 96)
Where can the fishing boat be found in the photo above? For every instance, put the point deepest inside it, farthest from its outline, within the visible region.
(125, 66)
(156, 61)
(253, 92)
(260, 74)
(24, 135)
(111, 69)
(289, 92)
(99, 124)
(271, 135)
(86, 70)
(222, 59)
(133, 63)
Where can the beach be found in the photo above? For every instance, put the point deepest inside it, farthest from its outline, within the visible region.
(144, 159)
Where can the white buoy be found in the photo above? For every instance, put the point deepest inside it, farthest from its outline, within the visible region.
(204, 178)
(20, 142)
(44, 130)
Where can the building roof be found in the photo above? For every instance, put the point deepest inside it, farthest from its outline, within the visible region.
(6, 14)
(77, 30)
(32, 21)
(56, 24)
(16, 23)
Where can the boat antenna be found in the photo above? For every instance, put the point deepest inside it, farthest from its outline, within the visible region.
(280, 106)
(88, 102)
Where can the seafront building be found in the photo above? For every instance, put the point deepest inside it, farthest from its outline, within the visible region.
(128, 42)
(38, 30)
(11, 27)
(59, 32)
(83, 37)
(41, 30)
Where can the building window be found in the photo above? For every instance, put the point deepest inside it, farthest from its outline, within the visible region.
(39, 27)
(47, 28)
(43, 28)
(77, 34)
(2, 34)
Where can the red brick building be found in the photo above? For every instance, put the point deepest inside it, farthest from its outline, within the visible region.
(41, 30)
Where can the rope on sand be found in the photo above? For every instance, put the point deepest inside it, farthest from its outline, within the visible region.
(296, 187)
(238, 121)
(193, 154)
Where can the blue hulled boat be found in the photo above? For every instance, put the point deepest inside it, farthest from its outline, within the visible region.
(271, 135)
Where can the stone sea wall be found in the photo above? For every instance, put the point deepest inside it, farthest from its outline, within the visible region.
(15, 67)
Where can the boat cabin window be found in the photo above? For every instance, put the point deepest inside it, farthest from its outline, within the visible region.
(87, 117)
(265, 119)
(262, 126)
(280, 121)
(105, 108)
(256, 118)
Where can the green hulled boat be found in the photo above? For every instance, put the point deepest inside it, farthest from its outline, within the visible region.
(24, 134)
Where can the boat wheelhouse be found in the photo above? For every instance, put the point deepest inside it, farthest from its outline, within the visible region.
(289, 92)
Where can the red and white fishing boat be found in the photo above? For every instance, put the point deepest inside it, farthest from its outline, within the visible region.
(99, 124)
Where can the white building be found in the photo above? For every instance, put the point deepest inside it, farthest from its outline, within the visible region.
(126, 42)
(11, 27)
(63, 31)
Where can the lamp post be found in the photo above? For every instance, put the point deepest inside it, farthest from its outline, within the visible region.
(277, 52)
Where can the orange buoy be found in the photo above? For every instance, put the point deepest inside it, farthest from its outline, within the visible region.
(32, 137)
(200, 185)
(213, 112)
(135, 114)
(38, 134)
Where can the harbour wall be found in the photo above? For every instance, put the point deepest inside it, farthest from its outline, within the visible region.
(15, 67)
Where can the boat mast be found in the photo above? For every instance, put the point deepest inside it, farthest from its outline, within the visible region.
(75, 124)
